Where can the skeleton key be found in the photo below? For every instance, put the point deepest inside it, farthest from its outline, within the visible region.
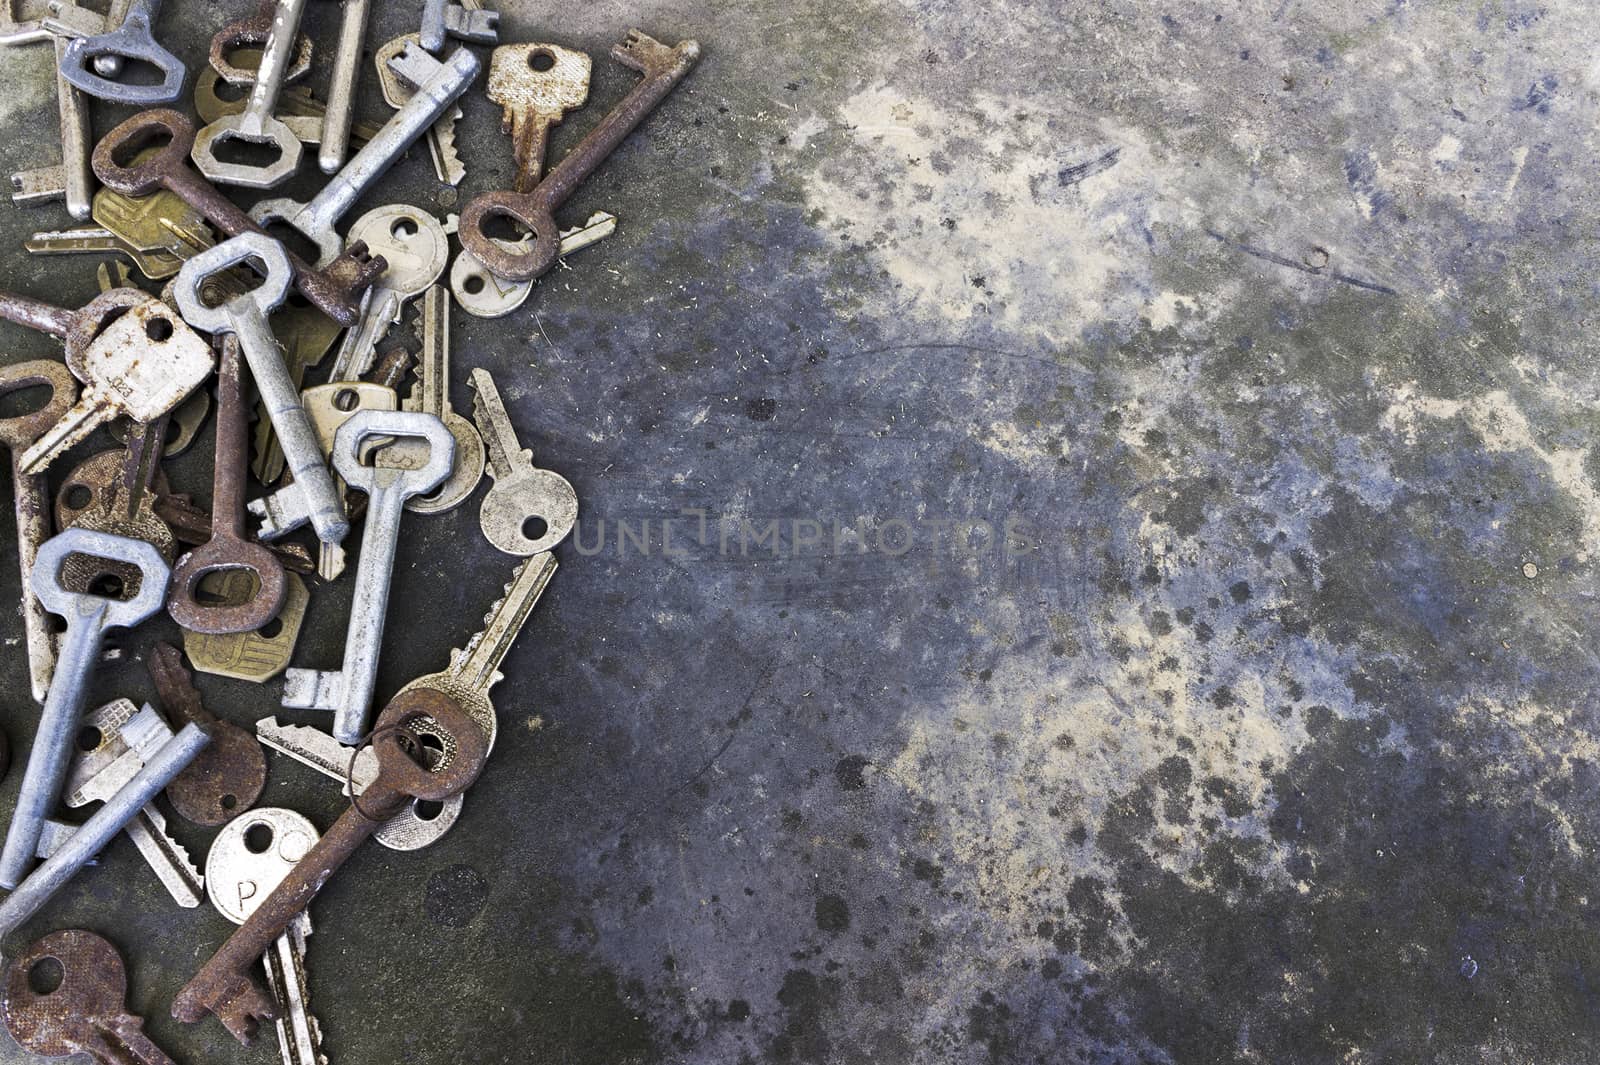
(417, 249)
(468, 22)
(30, 502)
(247, 861)
(476, 669)
(483, 295)
(86, 1013)
(233, 45)
(88, 617)
(229, 548)
(432, 396)
(130, 40)
(329, 407)
(76, 328)
(114, 744)
(95, 240)
(342, 85)
(663, 68)
(228, 776)
(447, 164)
(335, 288)
(142, 365)
(536, 84)
(251, 656)
(348, 690)
(313, 496)
(223, 986)
(297, 108)
(307, 335)
(258, 122)
(316, 220)
(418, 824)
(527, 510)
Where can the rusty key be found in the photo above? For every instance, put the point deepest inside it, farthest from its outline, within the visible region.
(86, 1013)
(251, 34)
(31, 502)
(336, 288)
(663, 68)
(229, 548)
(224, 986)
(78, 328)
(226, 777)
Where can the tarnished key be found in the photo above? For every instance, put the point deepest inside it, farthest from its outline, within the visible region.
(258, 122)
(417, 249)
(30, 501)
(527, 510)
(236, 48)
(251, 656)
(183, 425)
(329, 406)
(86, 1013)
(114, 744)
(483, 295)
(466, 21)
(348, 690)
(247, 861)
(441, 136)
(71, 179)
(306, 335)
(88, 616)
(83, 65)
(161, 221)
(663, 68)
(228, 776)
(142, 365)
(297, 108)
(313, 496)
(223, 987)
(535, 85)
(124, 505)
(432, 396)
(416, 826)
(96, 240)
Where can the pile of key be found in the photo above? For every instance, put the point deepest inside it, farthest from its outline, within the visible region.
(116, 544)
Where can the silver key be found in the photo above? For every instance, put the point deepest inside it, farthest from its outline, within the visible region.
(484, 295)
(88, 618)
(431, 395)
(342, 86)
(527, 510)
(467, 21)
(316, 220)
(348, 691)
(249, 858)
(312, 497)
(329, 407)
(258, 122)
(114, 744)
(413, 828)
(142, 365)
(441, 136)
(417, 249)
(72, 180)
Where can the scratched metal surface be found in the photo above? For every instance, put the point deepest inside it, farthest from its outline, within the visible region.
(1267, 739)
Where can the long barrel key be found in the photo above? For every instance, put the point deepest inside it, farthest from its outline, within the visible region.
(131, 40)
(258, 122)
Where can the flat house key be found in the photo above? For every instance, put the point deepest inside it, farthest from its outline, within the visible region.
(348, 691)
(31, 502)
(527, 510)
(536, 84)
(227, 777)
(88, 617)
(142, 365)
(432, 396)
(229, 548)
(313, 496)
(335, 288)
(441, 136)
(663, 68)
(86, 1013)
(223, 986)
(315, 220)
(258, 122)
(131, 40)
(417, 249)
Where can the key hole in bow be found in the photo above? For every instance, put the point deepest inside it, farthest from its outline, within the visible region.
(258, 838)
(247, 152)
(90, 738)
(100, 577)
(46, 975)
(498, 225)
(541, 60)
(21, 402)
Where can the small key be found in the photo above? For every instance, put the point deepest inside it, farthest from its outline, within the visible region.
(236, 49)
(441, 136)
(247, 861)
(414, 827)
(251, 656)
(258, 122)
(663, 68)
(536, 85)
(483, 295)
(313, 496)
(336, 287)
(229, 547)
(223, 986)
(527, 510)
(298, 109)
(131, 39)
(114, 744)
(96, 240)
(228, 776)
(141, 365)
(30, 502)
(348, 690)
(467, 22)
(88, 616)
(473, 671)
(432, 396)
(86, 1014)
(417, 249)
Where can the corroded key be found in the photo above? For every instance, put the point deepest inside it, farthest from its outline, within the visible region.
(441, 136)
(336, 288)
(258, 123)
(528, 509)
(86, 1014)
(232, 42)
(663, 68)
(297, 108)
(536, 85)
(226, 778)
(224, 986)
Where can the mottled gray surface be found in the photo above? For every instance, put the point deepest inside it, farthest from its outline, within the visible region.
(1264, 736)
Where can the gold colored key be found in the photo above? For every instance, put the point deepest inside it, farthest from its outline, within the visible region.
(253, 656)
